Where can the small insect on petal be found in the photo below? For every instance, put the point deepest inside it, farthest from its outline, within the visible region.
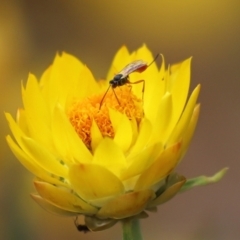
(81, 227)
(122, 77)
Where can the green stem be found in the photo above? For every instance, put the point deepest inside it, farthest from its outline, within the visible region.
(131, 229)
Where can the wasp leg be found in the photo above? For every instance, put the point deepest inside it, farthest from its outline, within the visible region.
(143, 88)
(116, 97)
(104, 97)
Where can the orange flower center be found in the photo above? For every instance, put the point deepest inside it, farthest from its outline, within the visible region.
(82, 113)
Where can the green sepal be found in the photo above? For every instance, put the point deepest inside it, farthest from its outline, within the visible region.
(203, 180)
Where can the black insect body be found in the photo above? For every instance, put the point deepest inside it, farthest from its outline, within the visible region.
(81, 227)
(122, 77)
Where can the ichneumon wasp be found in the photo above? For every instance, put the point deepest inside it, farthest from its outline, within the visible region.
(122, 77)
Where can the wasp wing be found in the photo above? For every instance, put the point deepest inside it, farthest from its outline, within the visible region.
(136, 66)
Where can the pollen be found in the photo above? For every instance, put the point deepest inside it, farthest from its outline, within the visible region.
(82, 113)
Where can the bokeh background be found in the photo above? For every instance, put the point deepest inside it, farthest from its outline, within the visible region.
(32, 31)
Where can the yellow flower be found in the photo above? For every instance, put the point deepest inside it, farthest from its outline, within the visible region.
(106, 162)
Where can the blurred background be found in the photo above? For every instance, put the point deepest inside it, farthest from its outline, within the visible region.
(32, 31)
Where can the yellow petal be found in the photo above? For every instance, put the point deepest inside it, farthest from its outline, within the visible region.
(94, 181)
(109, 155)
(178, 86)
(44, 158)
(22, 121)
(182, 125)
(122, 129)
(63, 198)
(150, 76)
(51, 208)
(65, 72)
(168, 194)
(85, 86)
(36, 111)
(126, 205)
(156, 89)
(160, 168)
(96, 135)
(66, 140)
(31, 165)
(190, 130)
(15, 129)
(44, 80)
(145, 130)
(142, 160)
(134, 125)
(162, 124)
(143, 53)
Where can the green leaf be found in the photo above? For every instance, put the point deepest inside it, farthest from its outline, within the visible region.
(203, 180)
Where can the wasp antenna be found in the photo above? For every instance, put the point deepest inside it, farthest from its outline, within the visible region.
(104, 97)
(153, 60)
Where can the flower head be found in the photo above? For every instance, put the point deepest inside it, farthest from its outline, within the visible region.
(111, 158)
